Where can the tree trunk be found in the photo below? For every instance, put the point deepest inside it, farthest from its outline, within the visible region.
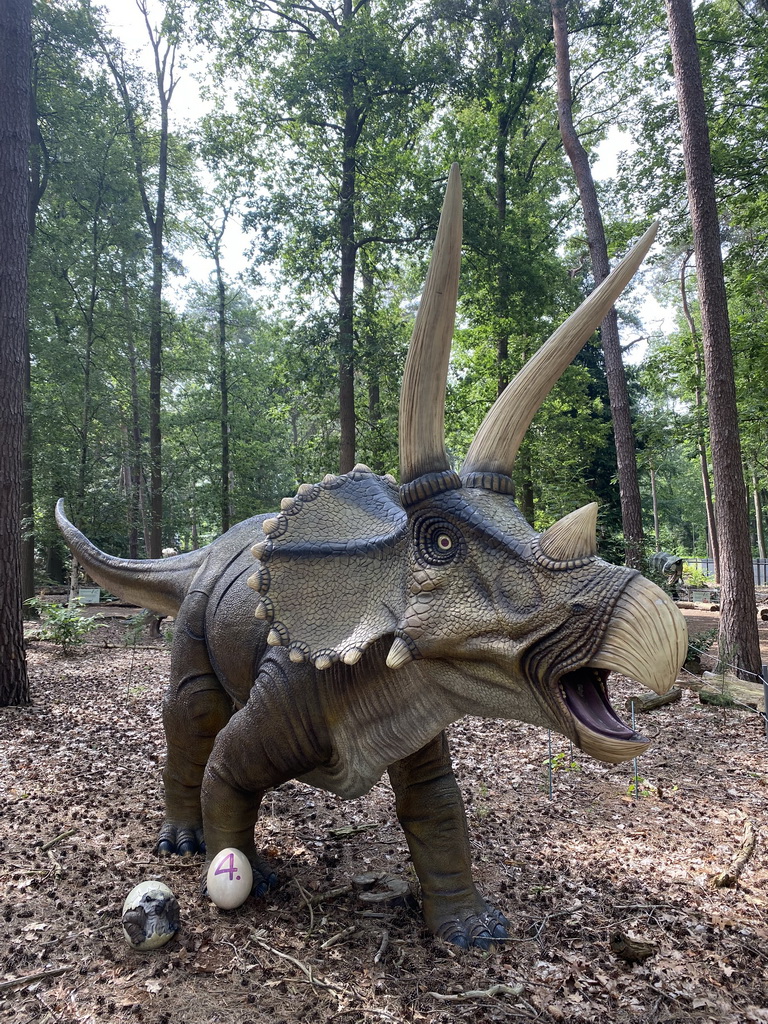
(525, 497)
(15, 57)
(738, 622)
(39, 168)
(164, 55)
(655, 500)
(74, 582)
(368, 336)
(713, 548)
(503, 120)
(347, 422)
(618, 395)
(226, 478)
(134, 443)
(155, 381)
(759, 533)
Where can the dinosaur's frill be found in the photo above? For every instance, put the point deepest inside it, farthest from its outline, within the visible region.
(331, 566)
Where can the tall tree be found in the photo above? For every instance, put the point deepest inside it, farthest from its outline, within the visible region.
(629, 489)
(210, 233)
(153, 189)
(15, 62)
(738, 623)
(334, 95)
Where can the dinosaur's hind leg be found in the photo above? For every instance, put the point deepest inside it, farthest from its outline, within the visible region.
(195, 710)
(431, 812)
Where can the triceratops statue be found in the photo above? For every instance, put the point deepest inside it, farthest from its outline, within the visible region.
(382, 613)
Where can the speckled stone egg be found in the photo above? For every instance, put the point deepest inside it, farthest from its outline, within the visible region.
(229, 878)
(150, 915)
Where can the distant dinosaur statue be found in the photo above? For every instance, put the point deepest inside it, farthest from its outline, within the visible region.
(382, 613)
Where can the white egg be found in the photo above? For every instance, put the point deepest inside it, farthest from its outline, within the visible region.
(150, 915)
(229, 878)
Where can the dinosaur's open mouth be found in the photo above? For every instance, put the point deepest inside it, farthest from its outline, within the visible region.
(600, 731)
(645, 640)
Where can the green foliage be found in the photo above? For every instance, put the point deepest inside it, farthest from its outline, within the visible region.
(640, 788)
(64, 626)
(700, 644)
(695, 577)
(135, 629)
(561, 762)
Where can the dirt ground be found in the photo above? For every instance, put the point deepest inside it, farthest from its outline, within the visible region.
(577, 871)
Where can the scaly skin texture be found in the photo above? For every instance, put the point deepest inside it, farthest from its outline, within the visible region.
(336, 640)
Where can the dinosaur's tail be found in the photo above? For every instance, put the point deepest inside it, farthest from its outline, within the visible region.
(159, 584)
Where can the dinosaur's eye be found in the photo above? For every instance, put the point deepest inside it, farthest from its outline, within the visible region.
(437, 542)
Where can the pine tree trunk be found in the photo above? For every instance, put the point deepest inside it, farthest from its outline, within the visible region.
(15, 56)
(39, 168)
(618, 394)
(738, 622)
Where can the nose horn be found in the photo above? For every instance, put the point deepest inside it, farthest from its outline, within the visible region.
(574, 536)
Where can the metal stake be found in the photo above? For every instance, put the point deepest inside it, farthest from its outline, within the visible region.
(637, 781)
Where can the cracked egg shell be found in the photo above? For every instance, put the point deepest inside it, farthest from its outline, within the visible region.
(150, 915)
(229, 878)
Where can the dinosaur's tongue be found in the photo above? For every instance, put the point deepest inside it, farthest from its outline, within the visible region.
(600, 731)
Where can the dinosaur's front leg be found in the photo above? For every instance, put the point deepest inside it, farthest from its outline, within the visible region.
(431, 812)
(195, 709)
(277, 736)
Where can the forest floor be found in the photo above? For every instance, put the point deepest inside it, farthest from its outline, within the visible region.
(577, 873)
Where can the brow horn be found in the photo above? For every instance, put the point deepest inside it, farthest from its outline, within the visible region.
(502, 431)
(572, 537)
(422, 399)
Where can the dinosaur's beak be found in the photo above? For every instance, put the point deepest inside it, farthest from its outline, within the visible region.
(646, 640)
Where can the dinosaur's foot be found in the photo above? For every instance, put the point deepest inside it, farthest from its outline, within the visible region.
(181, 840)
(482, 927)
(264, 875)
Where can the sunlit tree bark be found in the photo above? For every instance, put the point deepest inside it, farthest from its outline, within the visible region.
(618, 394)
(738, 622)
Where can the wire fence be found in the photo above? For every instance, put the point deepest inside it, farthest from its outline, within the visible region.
(707, 567)
(721, 667)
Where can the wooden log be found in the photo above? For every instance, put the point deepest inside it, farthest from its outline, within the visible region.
(651, 701)
(729, 878)
(762, 611)
(725, 689)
